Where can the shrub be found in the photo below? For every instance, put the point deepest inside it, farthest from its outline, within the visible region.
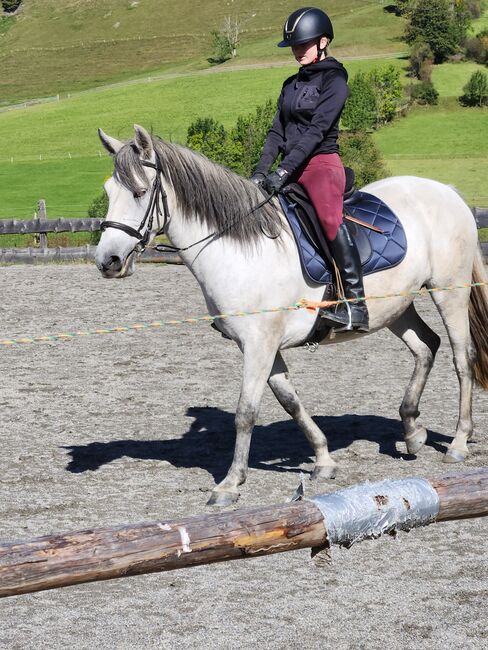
(222, 48)
(98, 210)
(9, 6)
(477, 47)
(476, 90)
(210, 138)
(388, 90)
(239, 148)
(359, 151)
(421, 60)
(361, 108)
(424, 93)
(242, 145)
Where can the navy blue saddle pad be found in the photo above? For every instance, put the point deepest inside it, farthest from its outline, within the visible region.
(384, 250)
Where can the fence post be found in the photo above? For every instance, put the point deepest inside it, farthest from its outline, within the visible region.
(42, 216)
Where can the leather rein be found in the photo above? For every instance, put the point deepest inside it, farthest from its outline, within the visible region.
(158, 196)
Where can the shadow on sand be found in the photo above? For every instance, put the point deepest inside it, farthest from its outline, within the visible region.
(276, 447)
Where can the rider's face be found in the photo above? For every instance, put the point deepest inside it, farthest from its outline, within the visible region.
(306, 53)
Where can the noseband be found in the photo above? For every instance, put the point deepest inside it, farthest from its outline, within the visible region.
(157, 193)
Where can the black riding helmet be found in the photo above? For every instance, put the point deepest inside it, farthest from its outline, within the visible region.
(306, 24)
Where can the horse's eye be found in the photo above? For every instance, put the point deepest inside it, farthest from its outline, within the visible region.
(139, 194)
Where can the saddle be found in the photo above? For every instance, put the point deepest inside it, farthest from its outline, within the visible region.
(376, 230)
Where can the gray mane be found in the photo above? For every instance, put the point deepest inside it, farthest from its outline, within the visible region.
(204, 190)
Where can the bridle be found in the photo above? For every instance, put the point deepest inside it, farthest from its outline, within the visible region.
(158, 194)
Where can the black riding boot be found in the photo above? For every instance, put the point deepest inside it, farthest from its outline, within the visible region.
(347, 316)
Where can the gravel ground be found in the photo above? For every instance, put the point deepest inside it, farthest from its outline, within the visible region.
(131, 427)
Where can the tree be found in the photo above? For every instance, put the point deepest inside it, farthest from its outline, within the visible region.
(476, 90)
(231, 30)
(388, 91)
(226, 40)
(442, 24)
(361, 108)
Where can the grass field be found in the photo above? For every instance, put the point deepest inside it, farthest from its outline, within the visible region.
(41, 139)
(51, 151)
(79, 45)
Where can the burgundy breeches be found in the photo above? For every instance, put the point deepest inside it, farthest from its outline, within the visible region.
(325, 181)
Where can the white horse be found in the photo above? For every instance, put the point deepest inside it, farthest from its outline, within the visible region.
(158, 186)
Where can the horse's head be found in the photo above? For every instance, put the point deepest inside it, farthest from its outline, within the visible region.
(135, 195)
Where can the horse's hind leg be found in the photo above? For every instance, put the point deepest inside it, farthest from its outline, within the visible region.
(285, 393)
(453, 308)
(423, 343)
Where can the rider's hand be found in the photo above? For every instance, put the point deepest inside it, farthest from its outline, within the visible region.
(275, 181)
(258, 178)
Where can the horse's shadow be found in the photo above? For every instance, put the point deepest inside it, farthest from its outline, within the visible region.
(277, 447)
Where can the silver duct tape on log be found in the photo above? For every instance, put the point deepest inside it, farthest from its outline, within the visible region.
(369, 510)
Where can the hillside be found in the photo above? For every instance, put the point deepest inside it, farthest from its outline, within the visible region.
(57, 46)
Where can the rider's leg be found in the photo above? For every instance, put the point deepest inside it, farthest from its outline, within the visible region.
(324, 180)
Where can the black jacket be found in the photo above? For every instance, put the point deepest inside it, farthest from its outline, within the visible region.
(307, 120)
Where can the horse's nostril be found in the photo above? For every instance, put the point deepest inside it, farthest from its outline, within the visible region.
(113, 263)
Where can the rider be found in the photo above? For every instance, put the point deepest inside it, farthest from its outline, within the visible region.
(304, 132)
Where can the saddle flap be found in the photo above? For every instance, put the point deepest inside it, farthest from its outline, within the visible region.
(312, 228)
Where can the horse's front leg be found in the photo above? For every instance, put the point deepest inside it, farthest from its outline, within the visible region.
(285, 393)
(258, 361)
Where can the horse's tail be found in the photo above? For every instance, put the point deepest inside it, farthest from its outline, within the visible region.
(478, 320)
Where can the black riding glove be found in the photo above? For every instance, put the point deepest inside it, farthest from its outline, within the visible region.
(275, 181)
(258, 178)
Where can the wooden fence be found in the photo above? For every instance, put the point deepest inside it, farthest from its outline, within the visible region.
(42, 226)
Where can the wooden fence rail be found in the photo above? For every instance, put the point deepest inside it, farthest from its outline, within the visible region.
(345, 517)
(42, 226)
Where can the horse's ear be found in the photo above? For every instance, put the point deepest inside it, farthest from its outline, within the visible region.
(143, 141)
(112, 145)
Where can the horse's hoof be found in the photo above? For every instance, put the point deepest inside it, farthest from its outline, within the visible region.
(323, 472)
(454, 456)
(417, 441)
(221, 499)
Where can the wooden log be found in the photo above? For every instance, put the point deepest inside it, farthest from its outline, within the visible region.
(105, 553)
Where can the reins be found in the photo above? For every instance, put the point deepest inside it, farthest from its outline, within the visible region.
(157, 193)
(162, 248)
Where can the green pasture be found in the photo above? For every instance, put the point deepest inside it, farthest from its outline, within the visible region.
(450, 78)
(52, 151)
(58, 46)
(448, 143)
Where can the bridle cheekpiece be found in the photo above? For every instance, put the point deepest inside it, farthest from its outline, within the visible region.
(158, 194)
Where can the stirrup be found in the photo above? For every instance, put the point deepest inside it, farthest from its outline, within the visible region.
(345, 321)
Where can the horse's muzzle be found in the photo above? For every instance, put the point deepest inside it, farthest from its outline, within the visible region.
(111, 267)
